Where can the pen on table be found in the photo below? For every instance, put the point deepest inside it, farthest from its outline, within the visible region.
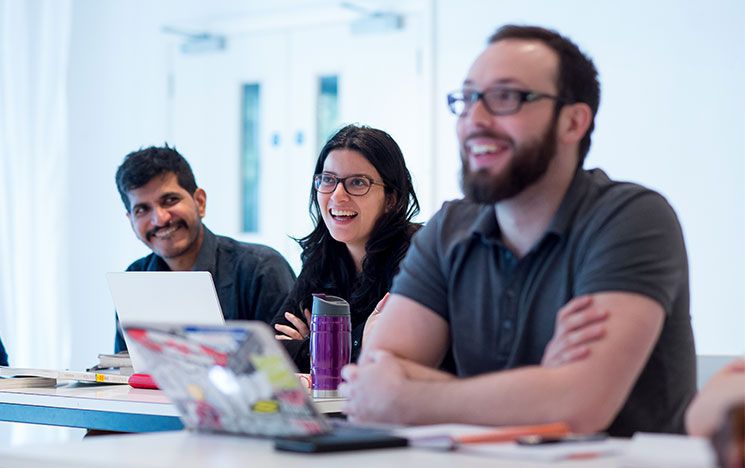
(535, 439)
(502, 434)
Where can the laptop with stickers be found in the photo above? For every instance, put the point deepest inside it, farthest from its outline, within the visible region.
(231, 378)
(237, 378)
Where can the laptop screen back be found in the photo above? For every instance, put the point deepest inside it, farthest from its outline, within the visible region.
(233, 378)
(163, 297)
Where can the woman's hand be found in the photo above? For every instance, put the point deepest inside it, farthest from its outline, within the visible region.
(301, 330)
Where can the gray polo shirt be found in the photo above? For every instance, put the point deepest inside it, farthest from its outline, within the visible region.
(605, 236)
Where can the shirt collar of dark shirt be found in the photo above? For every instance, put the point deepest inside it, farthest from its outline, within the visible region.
(487, 229)
(207, 257)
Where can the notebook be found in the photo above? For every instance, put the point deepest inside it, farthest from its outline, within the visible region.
(163, 297)
(237, 378)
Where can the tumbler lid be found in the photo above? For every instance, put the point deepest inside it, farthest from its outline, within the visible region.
(329, 305)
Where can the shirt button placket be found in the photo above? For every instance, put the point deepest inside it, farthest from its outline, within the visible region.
(509, 322)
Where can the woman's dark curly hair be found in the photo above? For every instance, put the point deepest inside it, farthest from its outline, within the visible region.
(327, 264)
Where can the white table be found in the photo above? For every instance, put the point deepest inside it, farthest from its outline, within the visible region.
(102, 407)
(184, 449)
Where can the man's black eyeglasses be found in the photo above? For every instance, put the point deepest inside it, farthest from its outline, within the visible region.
(356, 185)
(497, 101)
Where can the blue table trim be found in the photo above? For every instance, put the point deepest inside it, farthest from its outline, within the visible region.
(88, 419)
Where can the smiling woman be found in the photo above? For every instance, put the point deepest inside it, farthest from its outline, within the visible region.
(362, 202)
(350, 200)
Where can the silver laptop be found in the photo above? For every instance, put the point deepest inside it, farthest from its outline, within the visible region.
(232, 378)
(238, 378)
(163, 297)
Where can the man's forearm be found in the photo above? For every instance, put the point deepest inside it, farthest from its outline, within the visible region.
(524, 396)
(416, 371)
(413, 370)
(587, 394)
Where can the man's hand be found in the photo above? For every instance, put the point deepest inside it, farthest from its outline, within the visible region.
(376, 390)
(301, 330)
(370, 322)
(578, 324)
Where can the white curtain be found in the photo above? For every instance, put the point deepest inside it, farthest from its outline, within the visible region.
(34, 305)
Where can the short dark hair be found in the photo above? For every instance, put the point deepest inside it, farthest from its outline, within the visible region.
(577, 79)
(141, 166)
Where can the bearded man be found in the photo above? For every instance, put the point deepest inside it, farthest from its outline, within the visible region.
(491, 278)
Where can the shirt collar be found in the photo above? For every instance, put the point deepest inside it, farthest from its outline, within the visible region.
(572, 199)
(207, 257)
(156, 263)
(487, 228)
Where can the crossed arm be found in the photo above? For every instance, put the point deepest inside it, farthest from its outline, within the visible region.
(395, 380)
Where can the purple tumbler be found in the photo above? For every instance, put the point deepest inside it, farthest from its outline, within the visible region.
(330, 343)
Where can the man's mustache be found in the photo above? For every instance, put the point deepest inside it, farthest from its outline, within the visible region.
(152, 232)
(487, 134)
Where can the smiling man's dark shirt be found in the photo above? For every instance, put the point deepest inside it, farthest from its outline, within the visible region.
(252, 280)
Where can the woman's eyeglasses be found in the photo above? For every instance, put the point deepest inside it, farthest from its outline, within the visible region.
(356, 185)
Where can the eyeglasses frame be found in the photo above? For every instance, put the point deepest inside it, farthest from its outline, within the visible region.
(525, 96)
(341, 180)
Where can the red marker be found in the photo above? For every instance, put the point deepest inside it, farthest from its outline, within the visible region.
(142, 381)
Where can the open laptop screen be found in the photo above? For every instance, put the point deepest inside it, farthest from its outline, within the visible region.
(163, 297)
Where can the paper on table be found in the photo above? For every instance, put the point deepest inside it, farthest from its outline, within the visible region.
(453, 430)
(550, 452)
(655, 450)
(63, 375)
(439, 436)
(471, 433)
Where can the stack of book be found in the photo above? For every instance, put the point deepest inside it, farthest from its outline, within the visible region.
(8, 383)
(118, 363)
(111, 368)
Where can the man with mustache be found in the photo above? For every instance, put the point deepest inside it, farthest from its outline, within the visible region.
(538, 247)
(165, 208)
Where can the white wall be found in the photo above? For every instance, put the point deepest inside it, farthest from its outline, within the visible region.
(672, 76)
(117, 104)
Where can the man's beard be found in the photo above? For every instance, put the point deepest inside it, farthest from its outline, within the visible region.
(529, 163)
